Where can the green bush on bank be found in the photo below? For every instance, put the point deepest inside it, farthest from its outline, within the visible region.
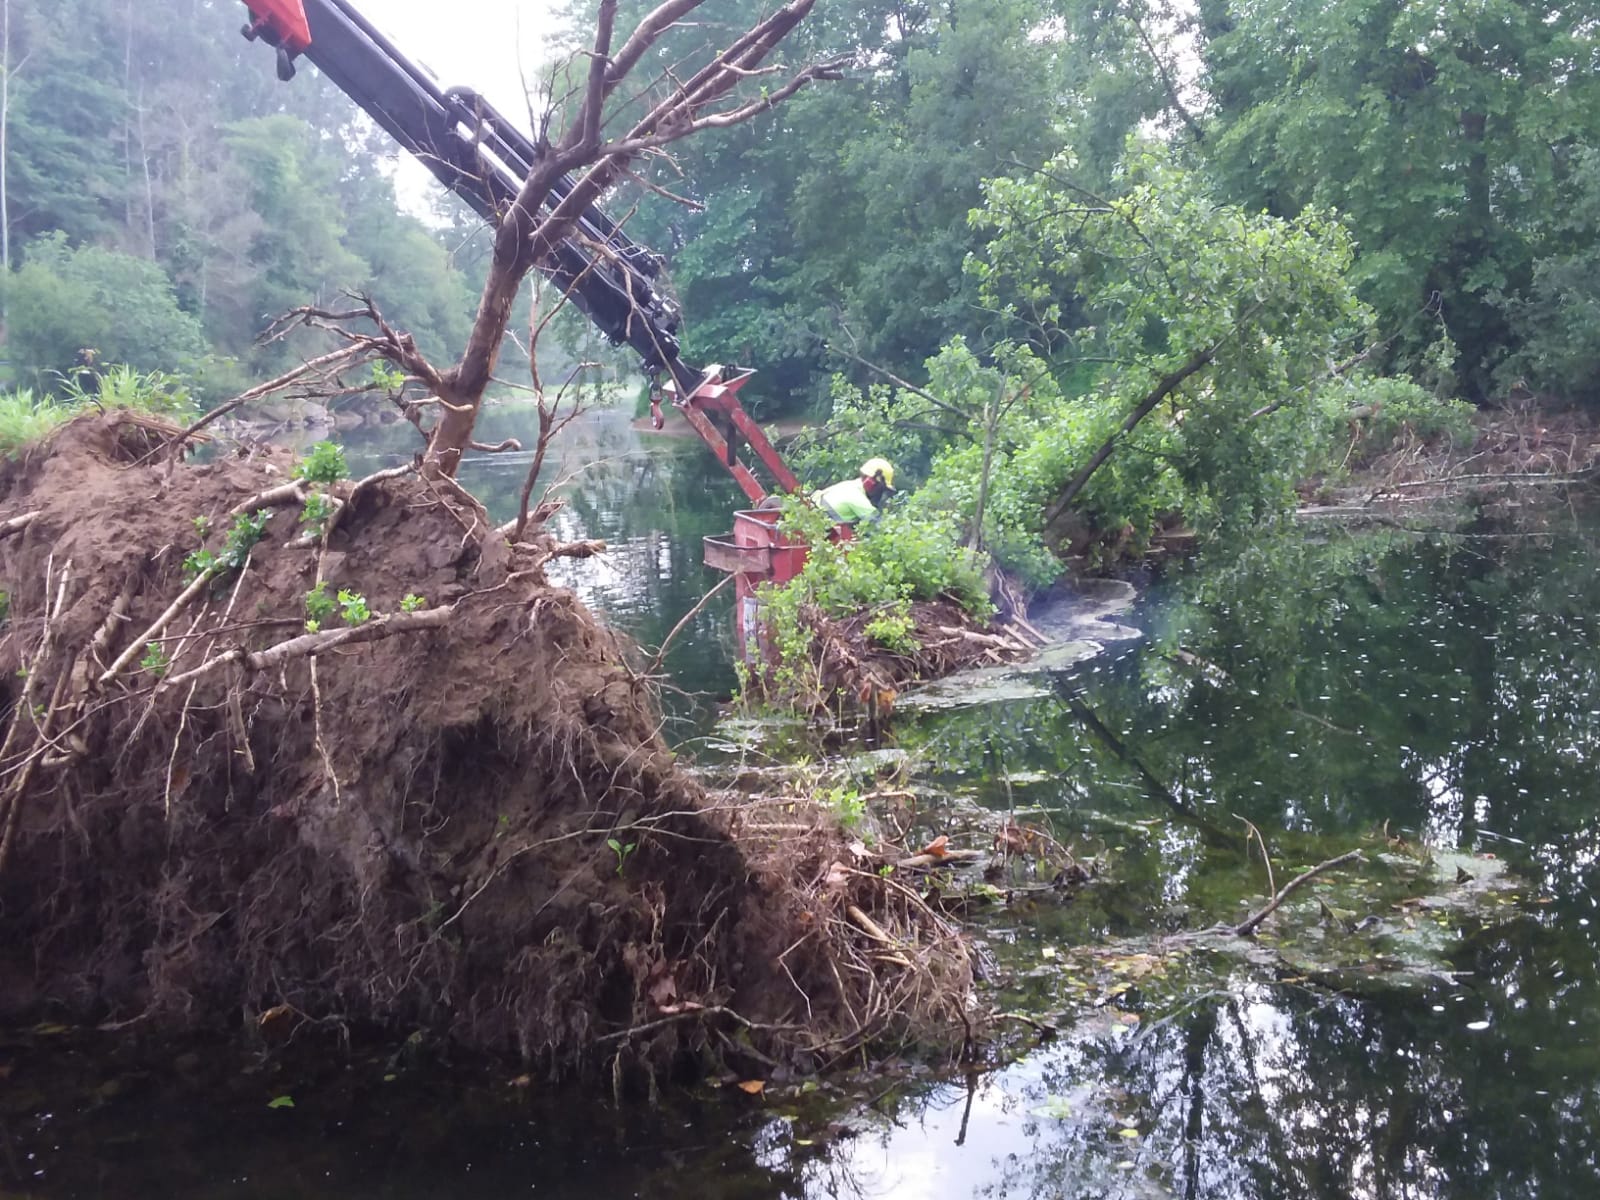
(905, 556)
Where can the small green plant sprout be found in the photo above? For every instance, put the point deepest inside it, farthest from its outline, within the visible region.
(247, 529)
(411, 602)
(5, 606)
(892, 628)
(387, 377)
(320, 606)
(847, 805)
(621, 850)
(353, 607)
(199, 562)
(202, 526)
(155, 660)
(324, 464)
(317, 511)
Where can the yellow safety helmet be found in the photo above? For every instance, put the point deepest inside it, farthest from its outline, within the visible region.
(880, 468)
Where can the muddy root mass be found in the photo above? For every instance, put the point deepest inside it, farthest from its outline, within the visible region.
(466, 825)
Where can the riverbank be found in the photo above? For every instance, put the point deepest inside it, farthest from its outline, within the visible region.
(1424, 698)
(342, 758)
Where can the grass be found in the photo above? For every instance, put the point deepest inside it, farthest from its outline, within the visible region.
(26, 418)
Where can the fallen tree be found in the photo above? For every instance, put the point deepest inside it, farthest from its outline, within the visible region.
(441, 806)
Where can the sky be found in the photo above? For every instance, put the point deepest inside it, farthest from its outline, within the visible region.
(476, 43)
(482, 44)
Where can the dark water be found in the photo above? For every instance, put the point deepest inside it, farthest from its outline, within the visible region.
(1393, 692)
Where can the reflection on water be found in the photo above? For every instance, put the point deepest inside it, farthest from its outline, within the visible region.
(1390, 692)
(1393, 692)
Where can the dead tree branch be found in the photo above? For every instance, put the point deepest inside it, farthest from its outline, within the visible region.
(1248, 926)
(311, 644)
(531, 228)
(18, 523)
(322, 365)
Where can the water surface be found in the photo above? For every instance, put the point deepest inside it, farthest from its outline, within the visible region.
(1403, 693)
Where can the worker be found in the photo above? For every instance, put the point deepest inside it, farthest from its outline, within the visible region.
(854, 500)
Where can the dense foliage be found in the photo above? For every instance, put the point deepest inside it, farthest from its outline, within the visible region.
(1456, 139)
(1075, 267)
(1207, 366)
(164, 197)
(1457, 144)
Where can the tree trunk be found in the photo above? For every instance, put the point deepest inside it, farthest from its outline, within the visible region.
(529, 231)
(1165, 386)
(991, 422)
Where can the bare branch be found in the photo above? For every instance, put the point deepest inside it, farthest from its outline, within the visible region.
(324, 363)
(684, 620)
(732, 116)
(904, 385)
(311, 644)
(533, 227)
(644, 37)
(1248, 926)
(18, 523)
(585, 133)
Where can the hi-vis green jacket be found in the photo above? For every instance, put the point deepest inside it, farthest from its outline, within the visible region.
(845, 502)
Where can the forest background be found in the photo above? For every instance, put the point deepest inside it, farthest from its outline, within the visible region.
(1004, 209)
(164, 196)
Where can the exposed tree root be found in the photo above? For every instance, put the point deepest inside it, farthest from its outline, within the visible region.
(847, 669)
(458, 819)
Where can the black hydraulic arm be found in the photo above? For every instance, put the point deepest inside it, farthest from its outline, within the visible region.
(483, 158)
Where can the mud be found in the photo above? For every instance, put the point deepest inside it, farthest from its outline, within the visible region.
(466, 826)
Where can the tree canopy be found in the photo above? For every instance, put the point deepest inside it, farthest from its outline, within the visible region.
(165, 197)
(1456, 144)
(1454, 140)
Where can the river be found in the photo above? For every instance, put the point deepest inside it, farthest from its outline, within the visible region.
(1425, 698)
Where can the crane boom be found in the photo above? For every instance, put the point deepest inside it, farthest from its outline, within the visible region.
(475, 152)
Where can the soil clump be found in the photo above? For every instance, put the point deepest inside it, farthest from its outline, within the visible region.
(454, 816)
(864, 677)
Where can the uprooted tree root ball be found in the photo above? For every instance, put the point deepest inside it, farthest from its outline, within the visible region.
(443, 805)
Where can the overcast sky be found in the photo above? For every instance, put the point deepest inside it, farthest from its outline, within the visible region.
(475, 43)
(482, 44)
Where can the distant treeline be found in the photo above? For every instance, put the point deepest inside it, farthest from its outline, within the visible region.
(164, 196)
(1460, 143)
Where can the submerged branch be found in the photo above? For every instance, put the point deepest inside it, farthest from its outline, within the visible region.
(1152, 786)
(1248, 926)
